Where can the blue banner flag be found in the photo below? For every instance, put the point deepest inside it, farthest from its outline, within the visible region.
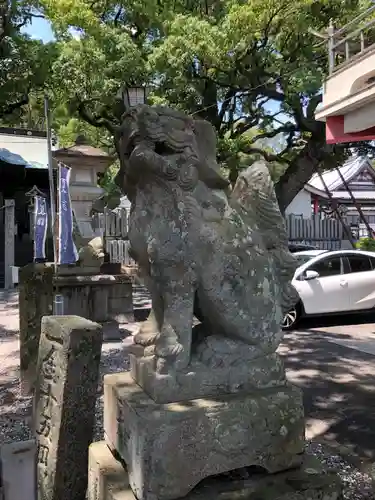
(67, 249)
(40, 227)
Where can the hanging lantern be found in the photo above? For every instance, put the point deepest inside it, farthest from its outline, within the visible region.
(134, 96)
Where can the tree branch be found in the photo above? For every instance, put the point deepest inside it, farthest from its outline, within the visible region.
(266, 32)
(313, 104)
(226, 103)
(93, 119)
(267, 28)
(244, 127)
(288, 127)
(10, 108)
(212, 80)
(3, 19)
(27, 19)
(271, 92)
(117, 16)
(267, 156)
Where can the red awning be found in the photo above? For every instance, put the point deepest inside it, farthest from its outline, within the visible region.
(335, 132)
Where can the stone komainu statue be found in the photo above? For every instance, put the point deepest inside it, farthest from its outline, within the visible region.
(203, 250)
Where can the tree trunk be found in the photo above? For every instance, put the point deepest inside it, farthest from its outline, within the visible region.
(302, 169)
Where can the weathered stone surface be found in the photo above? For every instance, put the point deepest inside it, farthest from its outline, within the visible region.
(120, 299)
(200, 380)
(91, 297)
(64, 404)
(107, 476)
(100, 298)
(112, 383)
(208, 398)
(91, 256)
(201, 249)
(170, 448)
(85, 296)
(311, 481)
(35, 301)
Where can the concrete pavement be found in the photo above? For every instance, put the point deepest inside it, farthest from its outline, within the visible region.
(335, 367)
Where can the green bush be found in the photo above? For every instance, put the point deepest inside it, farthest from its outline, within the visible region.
(366, 244)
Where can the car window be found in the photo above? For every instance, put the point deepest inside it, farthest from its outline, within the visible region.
(359, 263)
(372, 262)
(327, 267)
(302, 259)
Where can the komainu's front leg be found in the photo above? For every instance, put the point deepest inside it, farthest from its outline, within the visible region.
(173, 345)
(150, 329)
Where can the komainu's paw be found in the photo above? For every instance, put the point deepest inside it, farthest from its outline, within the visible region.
(145, 339)
(149, 351)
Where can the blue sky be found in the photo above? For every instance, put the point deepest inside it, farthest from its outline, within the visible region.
(40, 29)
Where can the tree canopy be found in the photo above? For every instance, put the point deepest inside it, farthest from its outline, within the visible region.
(253, 68)
(25, 64)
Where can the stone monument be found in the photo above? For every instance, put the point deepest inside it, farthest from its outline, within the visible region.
(209, 398)
(64, 404)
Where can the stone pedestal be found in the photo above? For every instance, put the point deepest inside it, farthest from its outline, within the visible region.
(200, 380)
(193, 433)
(35, 301)
(170, 448)
(109, 480)
(107, 476)
(98, 297)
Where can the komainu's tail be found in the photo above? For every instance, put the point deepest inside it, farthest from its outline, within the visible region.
(255, 193)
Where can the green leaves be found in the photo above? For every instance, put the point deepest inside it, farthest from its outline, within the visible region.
(25, 64)
(251, 67)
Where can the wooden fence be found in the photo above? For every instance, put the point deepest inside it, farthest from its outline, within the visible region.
(326, 234)
(358, 221)
(113, 226)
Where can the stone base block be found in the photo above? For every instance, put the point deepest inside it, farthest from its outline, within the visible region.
(17, 460)
(170, 448)
(201, 380)
(309, 482)
(107, 476)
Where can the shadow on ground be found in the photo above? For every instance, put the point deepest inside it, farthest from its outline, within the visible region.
(339, 320)
(339, 390)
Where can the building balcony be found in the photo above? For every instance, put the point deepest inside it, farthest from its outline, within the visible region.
(349, 91)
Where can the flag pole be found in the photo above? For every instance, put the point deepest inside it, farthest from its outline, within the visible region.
(50, 175)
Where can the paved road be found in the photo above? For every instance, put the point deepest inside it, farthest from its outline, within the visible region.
(334, 363)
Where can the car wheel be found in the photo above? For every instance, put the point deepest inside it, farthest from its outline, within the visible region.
(291, 318)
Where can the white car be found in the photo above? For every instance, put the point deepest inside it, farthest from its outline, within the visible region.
(334, 282)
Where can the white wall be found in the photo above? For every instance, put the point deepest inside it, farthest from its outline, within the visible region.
(32, 149)
(360, 119)
(300, 205)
